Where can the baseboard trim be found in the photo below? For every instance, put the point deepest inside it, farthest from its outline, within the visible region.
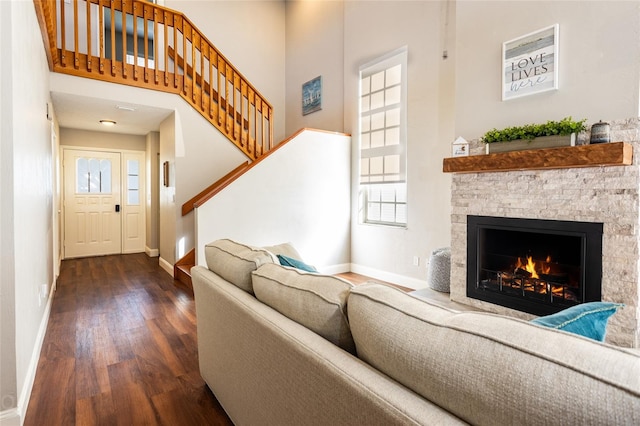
(151, 252)
(335, 269)
(166, 266)
(25, 395)
(10, 417)
(402, 280)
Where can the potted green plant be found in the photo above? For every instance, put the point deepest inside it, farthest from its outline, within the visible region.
(534, 136)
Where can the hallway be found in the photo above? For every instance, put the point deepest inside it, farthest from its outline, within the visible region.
(120, 348)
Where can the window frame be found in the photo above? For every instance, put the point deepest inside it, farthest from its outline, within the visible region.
(397, 175)
(366, 202)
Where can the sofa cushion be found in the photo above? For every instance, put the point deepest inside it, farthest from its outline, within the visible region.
(319, 302)
(234, 261)
(491, 369)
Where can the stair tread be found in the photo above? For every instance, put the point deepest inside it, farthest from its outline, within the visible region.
(185, 268)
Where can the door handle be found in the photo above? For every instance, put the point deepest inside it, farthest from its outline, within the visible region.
(117, 208)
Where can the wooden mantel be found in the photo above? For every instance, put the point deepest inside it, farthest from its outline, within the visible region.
(606, 154)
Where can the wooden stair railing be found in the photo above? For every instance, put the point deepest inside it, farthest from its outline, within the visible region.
(87, 38)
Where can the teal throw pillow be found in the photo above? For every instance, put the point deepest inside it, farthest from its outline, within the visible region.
(586, 319)
(295, 263)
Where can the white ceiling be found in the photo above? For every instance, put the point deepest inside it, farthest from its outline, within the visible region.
(85, 113)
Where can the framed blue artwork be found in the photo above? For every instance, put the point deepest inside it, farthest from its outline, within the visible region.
(312, 96)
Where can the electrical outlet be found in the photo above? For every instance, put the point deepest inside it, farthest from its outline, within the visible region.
(416, 260)
(44, 290)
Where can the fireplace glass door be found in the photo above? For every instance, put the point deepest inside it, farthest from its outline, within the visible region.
(535, 266)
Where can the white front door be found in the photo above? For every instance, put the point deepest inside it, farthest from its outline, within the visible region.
(92, 200)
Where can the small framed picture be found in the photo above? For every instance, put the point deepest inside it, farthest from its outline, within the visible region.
(312, 96)
(530, 63)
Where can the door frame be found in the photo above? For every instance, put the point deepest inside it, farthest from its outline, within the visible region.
(56, 211)
(123, 187)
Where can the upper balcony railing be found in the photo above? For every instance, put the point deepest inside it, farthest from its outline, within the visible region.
(141, 44)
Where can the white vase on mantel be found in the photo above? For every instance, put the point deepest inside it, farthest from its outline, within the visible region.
(541, 142)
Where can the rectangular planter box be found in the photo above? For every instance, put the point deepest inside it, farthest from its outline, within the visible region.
(536, 143)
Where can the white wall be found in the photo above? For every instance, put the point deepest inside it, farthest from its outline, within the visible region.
(33, 185)
(152, 205)
(104, 140)
(8, 383)
(56, 177)
(167, 194)
(251, 35)
(27, 203)
(315, 47)
(598, 62)
(202, 156)
(300, 194)
(371, 30)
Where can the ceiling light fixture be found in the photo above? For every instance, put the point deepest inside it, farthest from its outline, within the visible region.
(108, 122)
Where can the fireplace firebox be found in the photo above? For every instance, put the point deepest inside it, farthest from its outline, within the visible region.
(531, 265)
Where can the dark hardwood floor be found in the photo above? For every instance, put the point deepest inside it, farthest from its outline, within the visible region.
(120, 349)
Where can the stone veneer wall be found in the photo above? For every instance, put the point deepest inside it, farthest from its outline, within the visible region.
(594, 194)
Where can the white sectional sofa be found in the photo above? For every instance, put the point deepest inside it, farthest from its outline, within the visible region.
(386, 357)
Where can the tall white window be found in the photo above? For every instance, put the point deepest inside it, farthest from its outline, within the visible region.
(383, 140)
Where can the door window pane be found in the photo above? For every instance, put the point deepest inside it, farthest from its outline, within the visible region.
(133, 182)
(133, 197)
(133, 167)
(93, 175)
(82, 175)
(105, 176)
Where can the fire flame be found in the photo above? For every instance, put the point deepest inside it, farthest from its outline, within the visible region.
(533, 267)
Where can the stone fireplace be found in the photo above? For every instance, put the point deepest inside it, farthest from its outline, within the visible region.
(605, 195)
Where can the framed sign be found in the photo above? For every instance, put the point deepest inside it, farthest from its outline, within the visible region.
(530, 63)
(312, 96)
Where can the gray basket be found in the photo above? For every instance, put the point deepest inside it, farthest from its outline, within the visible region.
(439, 273)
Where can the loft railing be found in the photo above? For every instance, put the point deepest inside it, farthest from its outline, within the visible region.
(141, 44)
